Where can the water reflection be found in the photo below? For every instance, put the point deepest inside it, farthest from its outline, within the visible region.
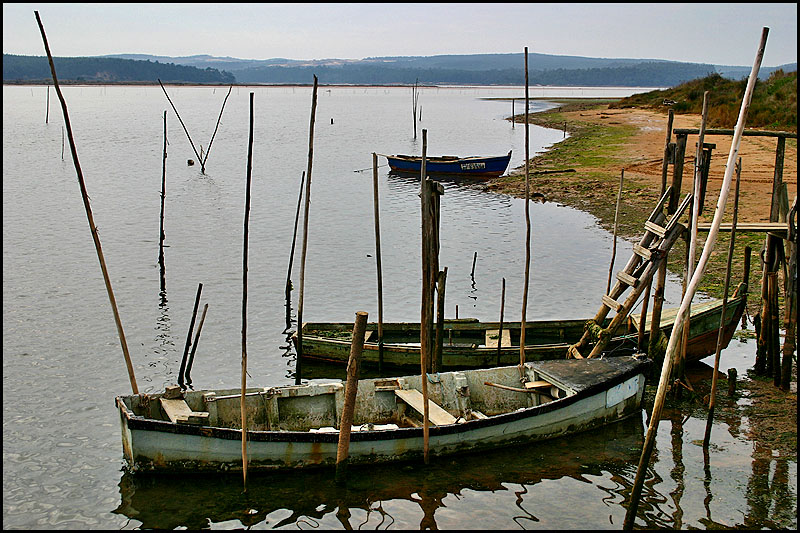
(406, 496)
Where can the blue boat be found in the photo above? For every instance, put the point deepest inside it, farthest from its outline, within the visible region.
(474, 166)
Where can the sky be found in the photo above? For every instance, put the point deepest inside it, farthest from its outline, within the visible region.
(715, 33)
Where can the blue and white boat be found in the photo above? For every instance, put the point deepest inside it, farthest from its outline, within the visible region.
(473, 166)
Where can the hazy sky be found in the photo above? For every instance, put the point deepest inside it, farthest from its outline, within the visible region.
(718, 33)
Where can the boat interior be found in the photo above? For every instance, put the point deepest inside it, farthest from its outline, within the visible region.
(381, 403)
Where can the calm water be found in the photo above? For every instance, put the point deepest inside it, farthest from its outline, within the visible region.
(63, 365)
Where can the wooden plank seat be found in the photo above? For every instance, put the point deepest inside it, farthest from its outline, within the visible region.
(179, 412)
(436, 414)
(493, 335)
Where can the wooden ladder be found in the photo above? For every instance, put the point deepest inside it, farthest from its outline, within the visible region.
(647, 257)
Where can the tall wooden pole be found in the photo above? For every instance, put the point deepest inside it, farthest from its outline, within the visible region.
(614, 246)
(502, 310)
(713, 396)
(425, 311)
(161, 235)
(189, 336)
(244, 295)
(298, 374)
(378, 259)
(692, 287)
(350, 391)
(527, 225)
(294, 240)
(89, 215)
(47, 116)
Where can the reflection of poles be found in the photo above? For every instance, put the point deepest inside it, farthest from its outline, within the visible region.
(305, 235)
(244, 295)
(89, 215)
(713, 395)
(691, 289)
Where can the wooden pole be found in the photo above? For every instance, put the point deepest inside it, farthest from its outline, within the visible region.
(692, 287)
(244, 295)
(189, 337)
(350, 391)
(47, 116)
(502, 310)
(181, 121)
(89, 215)
(208, 151)
(474, 258)
(790, 298)
(376, 209)
(298, 370)
(188, 373)
(161, 235)
(527, 225)
(441, 282)
(294, 240)
(614, 247)
(425, 318)
(665, 163)
(713, 396)
(692, 248)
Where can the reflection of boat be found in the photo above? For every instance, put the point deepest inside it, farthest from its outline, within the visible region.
(474, 166)
(468, 343)
(394, 496)
(294, 426)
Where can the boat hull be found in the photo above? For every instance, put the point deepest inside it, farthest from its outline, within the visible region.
(596, 392)
(545, 340)
(478, 167)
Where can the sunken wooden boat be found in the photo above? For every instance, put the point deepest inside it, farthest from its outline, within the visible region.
(473, 166)
(469, 343)
(296, 426)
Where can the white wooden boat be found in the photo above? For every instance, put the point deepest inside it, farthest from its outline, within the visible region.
(296, 426)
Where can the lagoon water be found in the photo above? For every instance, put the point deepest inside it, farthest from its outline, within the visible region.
(63, 365)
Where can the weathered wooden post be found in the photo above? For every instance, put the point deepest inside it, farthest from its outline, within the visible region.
(291, 253)
(427, 286)
(502, 310)
(350, 391)
(441, 282)
(89, 215)
(790, 298)
(189, 364)
(189, 337)
(658, 404)
(713, 395)
(163, 196)
(298, 367)
(614, 246)
(242, 402)
(527, 225)
(376, 210)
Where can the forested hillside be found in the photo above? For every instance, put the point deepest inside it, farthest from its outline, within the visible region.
(108, 70)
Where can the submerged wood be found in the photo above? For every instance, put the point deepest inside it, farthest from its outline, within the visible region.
(89, 215)
(296, 426)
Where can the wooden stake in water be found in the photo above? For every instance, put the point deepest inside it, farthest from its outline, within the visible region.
(614, 246)
(161, 218)
(713, 396)
(376, 209)
(298, 368)
(294, 239)
(244, 295)
(527, 224)
(189, 337)
(350, 391)
(427, 286)
(189, 364)
(677, 330)
(502, 309)
(89, 215)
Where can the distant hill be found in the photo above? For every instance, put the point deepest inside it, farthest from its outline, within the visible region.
(472, 69)
(773, 106)
(107, 70)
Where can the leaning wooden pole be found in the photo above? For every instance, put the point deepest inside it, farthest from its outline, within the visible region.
(294, 241)
(200, 159)
(614, 246)
(298, 368)
(189, 337)
(376, 208)
(244, 295)
(89, 215)
(350, 391)
(713, 396)
(208, 150)
(692, 288)
(527, 225)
